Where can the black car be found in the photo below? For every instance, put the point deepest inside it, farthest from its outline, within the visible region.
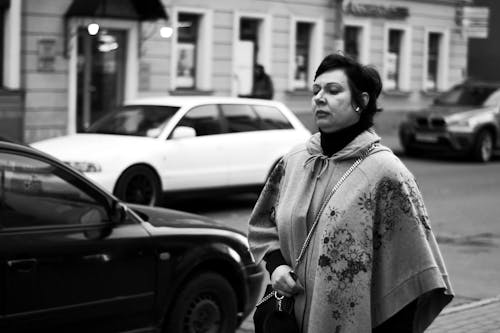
(463, 120)
(73, 258)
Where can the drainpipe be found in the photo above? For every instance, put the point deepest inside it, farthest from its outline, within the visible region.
(338, 26)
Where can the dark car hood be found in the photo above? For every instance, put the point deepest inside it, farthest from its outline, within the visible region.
(164, 217)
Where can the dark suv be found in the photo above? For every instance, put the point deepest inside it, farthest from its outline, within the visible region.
(465, 119)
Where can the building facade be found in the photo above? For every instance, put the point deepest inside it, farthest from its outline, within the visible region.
(58, 78)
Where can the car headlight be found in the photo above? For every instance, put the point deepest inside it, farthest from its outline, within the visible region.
(464, 125)
(84, 166)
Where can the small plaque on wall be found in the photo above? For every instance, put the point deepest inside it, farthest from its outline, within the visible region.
(46, 55)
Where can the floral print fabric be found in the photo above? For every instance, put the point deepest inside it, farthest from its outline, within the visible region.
(373, 250)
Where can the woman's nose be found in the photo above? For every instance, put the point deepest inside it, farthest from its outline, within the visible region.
(319, 98)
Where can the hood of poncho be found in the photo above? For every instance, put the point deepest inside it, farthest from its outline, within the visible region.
(354, 149)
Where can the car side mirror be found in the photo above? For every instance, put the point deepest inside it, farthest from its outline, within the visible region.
(183, 132)
(118, 213)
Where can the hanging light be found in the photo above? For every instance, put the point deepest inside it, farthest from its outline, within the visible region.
(166, 32)
(93, 28)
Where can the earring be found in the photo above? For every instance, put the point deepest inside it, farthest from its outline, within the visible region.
(356, 109)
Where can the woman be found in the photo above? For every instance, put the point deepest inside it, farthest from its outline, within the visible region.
(372, 264)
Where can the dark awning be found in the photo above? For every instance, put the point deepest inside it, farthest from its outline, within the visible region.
(4, 4)
(141, 10)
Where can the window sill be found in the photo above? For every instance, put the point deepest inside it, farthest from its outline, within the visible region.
(300, 92)
(190, 92)
(396, 93)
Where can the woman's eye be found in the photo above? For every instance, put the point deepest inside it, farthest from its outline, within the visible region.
(315, 90)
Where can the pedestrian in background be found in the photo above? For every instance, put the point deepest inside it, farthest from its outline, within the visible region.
(372, 263)
(262, 84)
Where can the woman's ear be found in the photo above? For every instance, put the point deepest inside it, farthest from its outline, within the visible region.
(365, 98)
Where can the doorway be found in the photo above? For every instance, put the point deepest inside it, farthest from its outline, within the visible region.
(100, 74)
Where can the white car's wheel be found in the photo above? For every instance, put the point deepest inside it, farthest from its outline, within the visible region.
(140, 185)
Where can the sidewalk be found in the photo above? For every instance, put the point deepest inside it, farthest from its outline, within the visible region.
(476, 317)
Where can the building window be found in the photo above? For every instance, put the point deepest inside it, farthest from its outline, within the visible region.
(192, 48)
(436, 60)
(302, 55)
(187, 41)
(357, 39)
(249, 31)
(306, 40)
(397, 58)
(432, 61)
(352, 41)
(393, 62)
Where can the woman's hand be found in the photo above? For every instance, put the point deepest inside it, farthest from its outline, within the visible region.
(285, 281)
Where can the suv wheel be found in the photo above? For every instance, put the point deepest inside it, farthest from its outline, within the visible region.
(207, 303)
(483, 147)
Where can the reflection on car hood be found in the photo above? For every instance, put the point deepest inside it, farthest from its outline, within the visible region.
(454, 112)
(164, 217)
(92, 146)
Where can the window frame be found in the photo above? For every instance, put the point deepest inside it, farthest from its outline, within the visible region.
(405, 64)
(226, 121)
(364, 47)
(204, 49)
(265, 46)
(443, 58)
(220, 119)
(262, 119)
(316, 47)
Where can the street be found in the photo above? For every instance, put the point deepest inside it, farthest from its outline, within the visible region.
(462, 199)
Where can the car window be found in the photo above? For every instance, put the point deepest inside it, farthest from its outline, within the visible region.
(204, 119)
(271, 118)
(465, 95)
(34, 193)
(493, 99)
(136, 120)
(240, 118)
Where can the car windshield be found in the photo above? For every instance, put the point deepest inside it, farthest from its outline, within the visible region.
(465, 95)
(135, 120)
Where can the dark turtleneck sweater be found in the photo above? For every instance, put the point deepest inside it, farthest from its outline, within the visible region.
(335, 141)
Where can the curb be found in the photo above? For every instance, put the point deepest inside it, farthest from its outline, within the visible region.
(468, 306)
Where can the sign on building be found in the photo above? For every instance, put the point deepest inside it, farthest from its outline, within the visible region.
(475, 21)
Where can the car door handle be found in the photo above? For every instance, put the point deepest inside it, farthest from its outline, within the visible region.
(22, 265)
(97, 257)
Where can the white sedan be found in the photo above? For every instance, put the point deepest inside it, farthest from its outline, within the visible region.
(171, 144)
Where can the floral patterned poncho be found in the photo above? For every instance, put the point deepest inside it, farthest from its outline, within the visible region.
(373, 250)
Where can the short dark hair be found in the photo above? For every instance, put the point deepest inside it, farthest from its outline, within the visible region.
(360, 79)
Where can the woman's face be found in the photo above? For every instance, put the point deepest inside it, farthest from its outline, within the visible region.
(331, 102)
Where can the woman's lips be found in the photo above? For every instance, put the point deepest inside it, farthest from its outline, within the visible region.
(321, 113)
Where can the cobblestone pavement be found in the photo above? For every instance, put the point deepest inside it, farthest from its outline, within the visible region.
(475, 317)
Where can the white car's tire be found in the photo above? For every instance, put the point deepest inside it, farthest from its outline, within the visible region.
(140, 185)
